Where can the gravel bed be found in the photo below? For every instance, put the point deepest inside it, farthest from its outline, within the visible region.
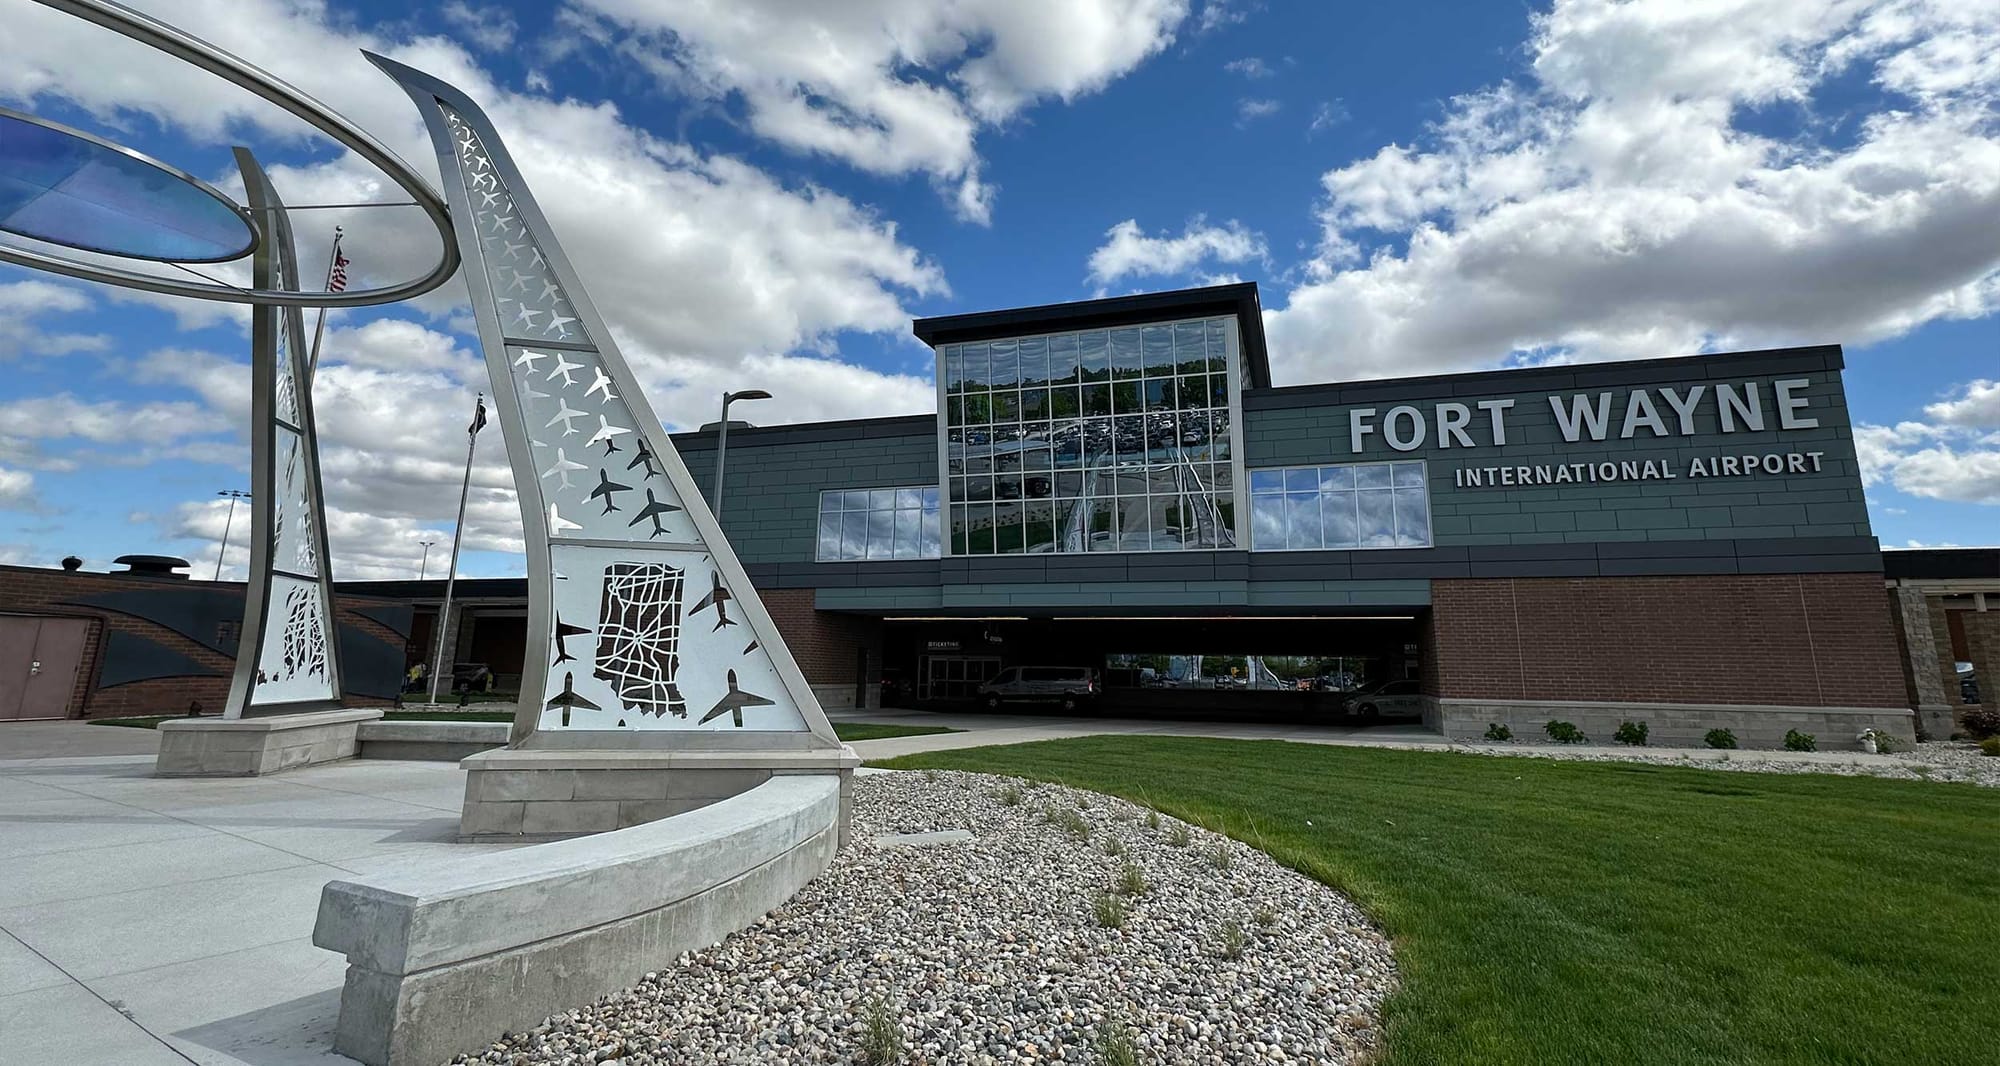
(991, 951)
(1940, 760)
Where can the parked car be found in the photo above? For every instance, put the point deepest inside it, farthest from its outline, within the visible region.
(1387, 699)
(1069, 686)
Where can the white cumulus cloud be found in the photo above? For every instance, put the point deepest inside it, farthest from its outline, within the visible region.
(1621, 199)
(1129, 251)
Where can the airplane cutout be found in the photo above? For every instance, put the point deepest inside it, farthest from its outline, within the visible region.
(718, 598)
(562, 466)
(564, 414)
(605, 431)
(564, 631)
(605, 488)
(567, 698)
(601, 382)
(653, 510)
(528, 359)
(610, 446)
(563, 367)
(732, 703)
(559, 524)
(645, 456)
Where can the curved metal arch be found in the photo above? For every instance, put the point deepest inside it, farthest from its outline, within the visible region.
(186, 47)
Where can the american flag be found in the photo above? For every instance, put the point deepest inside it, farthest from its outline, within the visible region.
(336, 279)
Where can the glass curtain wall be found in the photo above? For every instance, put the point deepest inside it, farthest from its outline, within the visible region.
(1091, 441)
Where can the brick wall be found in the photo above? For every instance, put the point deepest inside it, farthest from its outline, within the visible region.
(825, 644)
(41, 591)
(1800, 640)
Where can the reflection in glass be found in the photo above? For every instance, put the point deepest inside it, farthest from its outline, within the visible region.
(1063, 352)
(1034, 355)
(1125, 359)
(1136, 458)
(891, 523)
(1339, 507)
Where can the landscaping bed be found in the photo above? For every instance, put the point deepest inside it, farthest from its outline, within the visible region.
(1072, 927)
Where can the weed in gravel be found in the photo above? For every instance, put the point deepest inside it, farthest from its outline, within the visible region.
(1109, 909)
(1113, 1043)
(881, 1038)
(1113, 847)
(1009, 796)
(931, 776)
(1265, 915)
(1220, 857)
(1083, 803)
(1230, 940)
(1121, 814)
(1070, 821)
(1152, 819)
(1132, 880)
(1179, 836)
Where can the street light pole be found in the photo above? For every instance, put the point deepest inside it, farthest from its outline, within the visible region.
(234, 495)
(722, 444)
(425, 561)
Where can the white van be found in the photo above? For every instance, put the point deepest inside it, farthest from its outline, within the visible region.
(1068, 686)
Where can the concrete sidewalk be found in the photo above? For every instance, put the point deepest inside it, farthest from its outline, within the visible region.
(156, 922)
(70, 739)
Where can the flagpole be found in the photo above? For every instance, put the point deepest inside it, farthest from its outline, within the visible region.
(457, 535)
(319, 327)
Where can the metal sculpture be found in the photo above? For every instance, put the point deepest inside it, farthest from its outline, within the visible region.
(586, 448)
(288, 658)
(65, 188)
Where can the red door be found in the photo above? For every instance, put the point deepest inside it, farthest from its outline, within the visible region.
(39, 658)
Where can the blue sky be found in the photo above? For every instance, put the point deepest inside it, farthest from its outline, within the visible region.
(766, 196)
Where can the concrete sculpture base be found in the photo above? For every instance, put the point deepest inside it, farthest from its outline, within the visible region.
(443, 960)
(440, 741)
(534, 794)
(253, 747)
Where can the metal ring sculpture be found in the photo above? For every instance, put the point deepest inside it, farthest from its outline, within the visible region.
(153, 33)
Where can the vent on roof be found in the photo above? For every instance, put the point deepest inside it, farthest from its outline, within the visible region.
(152, 565)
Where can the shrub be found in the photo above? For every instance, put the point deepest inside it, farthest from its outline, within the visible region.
(1981, 724)
(1230, 940)
(1131, 880)
(1564, 733)
(881, 1038)
(1113, 1044)
(1889, 744)
(1496, 731)
(1109, 909)
(1633, 733)
(1797, 741)
(1990, 746)
(1720, 738)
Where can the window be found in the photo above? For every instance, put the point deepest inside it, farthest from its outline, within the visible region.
(1357, 505)
(1105, 440)
(858, 524)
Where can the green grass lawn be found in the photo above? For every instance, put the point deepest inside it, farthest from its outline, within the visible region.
(1570, 912)
(845, 730)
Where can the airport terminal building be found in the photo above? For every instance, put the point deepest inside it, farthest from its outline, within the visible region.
(1117, 484)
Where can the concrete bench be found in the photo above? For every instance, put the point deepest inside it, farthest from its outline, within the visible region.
(444, 958)
(430, 741)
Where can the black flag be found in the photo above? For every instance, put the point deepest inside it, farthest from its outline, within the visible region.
(478, 416)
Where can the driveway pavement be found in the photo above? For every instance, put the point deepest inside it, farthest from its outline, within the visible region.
(150, 921)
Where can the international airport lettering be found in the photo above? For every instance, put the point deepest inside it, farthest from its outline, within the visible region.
(1745, 465)
(1657, 412)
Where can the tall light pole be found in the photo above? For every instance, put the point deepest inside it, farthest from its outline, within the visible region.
(722, 443)
(234, 495)
(425, 561)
